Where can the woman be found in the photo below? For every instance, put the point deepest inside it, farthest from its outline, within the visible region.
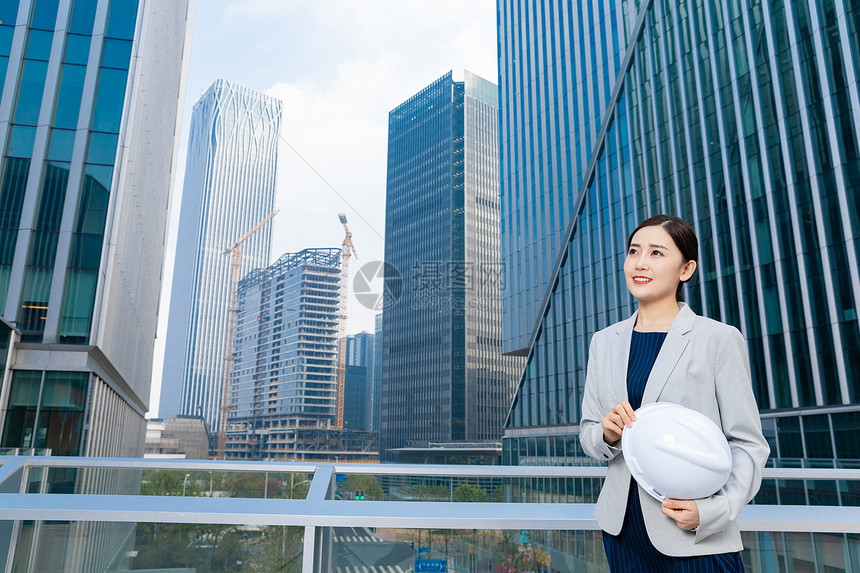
(667, 353)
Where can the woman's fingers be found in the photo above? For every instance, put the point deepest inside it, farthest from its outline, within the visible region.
(685, 512)
(628, 409)
(615, 420)
(624, 414)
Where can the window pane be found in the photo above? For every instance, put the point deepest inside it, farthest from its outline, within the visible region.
(122, 19)
(25, 388)
(21, 142)
(816, 430)
(77, 49)
(102, 148)
(77, 311)
(62, 144)
(44, 14)
(4, 63)
(83, 15)
(52, 197)
(8, 13)
(109, 100)
(846, 430)
(39, 45)
(34, 298)
(94, 201)
(86, 252)
(117, 54)
(61, 418)
(69, 96)
(30, 92)
(6, 34)
(788, 434)
(21, 412)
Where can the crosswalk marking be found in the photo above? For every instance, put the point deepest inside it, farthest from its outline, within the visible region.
(358, 539)
(370, 569)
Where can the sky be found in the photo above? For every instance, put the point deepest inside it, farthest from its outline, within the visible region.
(339, 66)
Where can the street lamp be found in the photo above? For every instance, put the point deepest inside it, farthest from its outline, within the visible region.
(185, 483)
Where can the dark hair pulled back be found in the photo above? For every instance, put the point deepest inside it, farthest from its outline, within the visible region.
(682, 234)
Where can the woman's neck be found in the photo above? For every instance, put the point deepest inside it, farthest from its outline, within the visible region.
(656, 316)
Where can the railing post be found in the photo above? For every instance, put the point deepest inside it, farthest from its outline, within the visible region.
(317, 554)
(11, 481)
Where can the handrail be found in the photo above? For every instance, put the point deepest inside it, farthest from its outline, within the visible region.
(319, 511)
(394, 514)
(385, 469)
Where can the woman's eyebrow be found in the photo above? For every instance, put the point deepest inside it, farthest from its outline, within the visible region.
(650, 245)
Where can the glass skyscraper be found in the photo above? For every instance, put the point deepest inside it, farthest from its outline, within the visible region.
(229, 187)
(740, 117)
(443, 375)
(558, 61)
(376, 377)
(358, 389)
(89, 112)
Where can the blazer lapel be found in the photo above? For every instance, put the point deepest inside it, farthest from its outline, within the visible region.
(673, 347)
(621, 356)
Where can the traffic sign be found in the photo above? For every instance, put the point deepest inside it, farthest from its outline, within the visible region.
(423, 550)
(431, 566)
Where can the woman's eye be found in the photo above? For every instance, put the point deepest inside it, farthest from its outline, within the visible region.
(657, 253)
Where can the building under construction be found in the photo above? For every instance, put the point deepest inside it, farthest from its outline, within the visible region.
(283, 387)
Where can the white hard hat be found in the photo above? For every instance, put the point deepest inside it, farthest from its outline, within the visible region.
(676, 452)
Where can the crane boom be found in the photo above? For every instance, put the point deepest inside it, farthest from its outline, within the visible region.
(232, 311)
(347, 251)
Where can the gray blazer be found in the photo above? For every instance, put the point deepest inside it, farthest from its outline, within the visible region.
(703, 365)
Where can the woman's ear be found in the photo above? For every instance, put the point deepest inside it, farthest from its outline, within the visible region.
(687, 270)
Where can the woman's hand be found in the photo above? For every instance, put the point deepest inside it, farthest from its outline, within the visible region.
(685, 512)
(613, 423)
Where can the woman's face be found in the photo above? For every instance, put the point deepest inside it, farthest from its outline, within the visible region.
(654, 265)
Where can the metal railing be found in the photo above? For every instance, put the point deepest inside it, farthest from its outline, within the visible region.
(319, 511)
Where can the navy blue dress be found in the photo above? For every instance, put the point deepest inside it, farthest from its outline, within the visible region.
(631, 551)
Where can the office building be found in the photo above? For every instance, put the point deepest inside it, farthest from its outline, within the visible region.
(737, 117)
(90, 102)
(90, 109)
(558, 62)
(283, 387)
(376, 376)
(229, 188)
(357, 406)
(443, 376)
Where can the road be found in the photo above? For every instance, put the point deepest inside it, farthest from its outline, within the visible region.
(358, 550)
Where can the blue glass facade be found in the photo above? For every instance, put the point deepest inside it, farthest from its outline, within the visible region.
(558, 61)
(358, 388)
(443, 376)
(741, 117)
(742, 140)
(84, 180)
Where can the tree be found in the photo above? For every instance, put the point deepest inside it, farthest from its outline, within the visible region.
(468, 492)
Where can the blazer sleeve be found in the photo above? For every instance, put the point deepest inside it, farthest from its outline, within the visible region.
(741, 425)
(590, 427)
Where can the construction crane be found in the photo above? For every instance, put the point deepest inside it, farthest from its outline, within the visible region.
(347, 251)
(232, 311)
